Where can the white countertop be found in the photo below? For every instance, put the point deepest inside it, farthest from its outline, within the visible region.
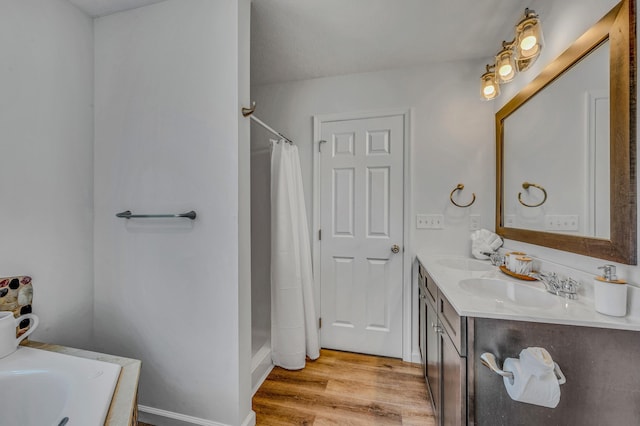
(580, 312)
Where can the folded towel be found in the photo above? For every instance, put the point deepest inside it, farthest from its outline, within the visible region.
(536, 361)
(484, 241)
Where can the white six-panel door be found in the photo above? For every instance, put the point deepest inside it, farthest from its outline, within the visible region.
(361, 246)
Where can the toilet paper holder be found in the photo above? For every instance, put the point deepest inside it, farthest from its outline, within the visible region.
(489, 360)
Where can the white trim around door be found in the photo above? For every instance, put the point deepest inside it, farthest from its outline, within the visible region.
(407, 298)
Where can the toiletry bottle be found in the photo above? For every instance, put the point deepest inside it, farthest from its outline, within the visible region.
(610, 293)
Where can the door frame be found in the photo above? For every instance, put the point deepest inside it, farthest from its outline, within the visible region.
(318, 120)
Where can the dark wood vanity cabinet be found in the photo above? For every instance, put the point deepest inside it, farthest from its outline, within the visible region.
(442, 339)
(600, 364)
(422, 322)
(453, 381)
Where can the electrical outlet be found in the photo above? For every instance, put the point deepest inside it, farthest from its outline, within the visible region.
(474, 222)
(429, 221)
(510, 221)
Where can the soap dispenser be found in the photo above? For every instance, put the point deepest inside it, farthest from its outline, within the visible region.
(610, 293)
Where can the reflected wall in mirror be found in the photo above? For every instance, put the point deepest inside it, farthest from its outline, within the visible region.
(567, 157)
(566, 148)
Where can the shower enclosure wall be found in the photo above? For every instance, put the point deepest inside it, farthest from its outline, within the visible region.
(260, 256)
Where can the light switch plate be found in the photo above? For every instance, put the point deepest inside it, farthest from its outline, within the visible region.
(561, 222)
(429, 221)
(474, 222)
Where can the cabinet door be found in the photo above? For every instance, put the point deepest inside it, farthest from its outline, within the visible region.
(433, 365)
(422, 328)
(454, 384)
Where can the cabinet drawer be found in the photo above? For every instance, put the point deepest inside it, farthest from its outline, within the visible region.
(454, 324)
(432, 289)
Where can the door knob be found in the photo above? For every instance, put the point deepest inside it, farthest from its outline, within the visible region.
(395, 248)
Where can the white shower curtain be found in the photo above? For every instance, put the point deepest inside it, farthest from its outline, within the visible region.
(293, 320)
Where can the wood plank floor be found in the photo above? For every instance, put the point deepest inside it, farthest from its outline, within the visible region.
(343, 388)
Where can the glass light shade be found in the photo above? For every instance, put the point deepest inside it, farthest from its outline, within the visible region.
(524, 64)
(505, 66)
(489, 88)
(528, 38)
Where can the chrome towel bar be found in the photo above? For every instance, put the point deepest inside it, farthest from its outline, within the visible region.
(128, 215)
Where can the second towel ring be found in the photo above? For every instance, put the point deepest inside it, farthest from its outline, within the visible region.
(460, 187)
(526, 185)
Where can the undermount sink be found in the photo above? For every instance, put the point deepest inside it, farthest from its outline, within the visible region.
(39, 387)
(508, 291)
(464, 264)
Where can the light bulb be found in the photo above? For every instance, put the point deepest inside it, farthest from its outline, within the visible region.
(489, 88)
(528, 37)
(528, 42)
(505, 70)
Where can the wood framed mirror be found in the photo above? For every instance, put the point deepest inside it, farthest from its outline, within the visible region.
(614, 36)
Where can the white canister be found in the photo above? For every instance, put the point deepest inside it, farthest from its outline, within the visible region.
(523, 265)
(512, 262)
(610, 297)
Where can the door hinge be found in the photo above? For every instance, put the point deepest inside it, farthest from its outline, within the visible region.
(320, 145)
(320, 322)
(320, 234)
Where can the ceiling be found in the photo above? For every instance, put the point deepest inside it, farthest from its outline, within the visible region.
(106, 7)
(303, 39)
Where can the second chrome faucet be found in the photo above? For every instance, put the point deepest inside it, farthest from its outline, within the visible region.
(558, 285)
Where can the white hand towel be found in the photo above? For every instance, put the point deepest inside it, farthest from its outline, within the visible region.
(484, 241)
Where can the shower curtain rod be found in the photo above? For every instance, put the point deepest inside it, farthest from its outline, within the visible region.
(248, 112)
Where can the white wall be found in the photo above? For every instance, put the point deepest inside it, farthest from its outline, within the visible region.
(245, 415)
(451, 138)
(451, 135)
(168, 138)
(46, 178)
(563, 22)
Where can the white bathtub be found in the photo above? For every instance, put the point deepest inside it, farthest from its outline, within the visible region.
(42, 388)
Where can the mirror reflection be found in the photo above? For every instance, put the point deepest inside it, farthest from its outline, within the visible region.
(556, 172)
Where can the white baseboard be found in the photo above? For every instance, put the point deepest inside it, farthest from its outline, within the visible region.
(416, 358)
(250, 420)
(261, 366)
(160, 417)
(261, 380)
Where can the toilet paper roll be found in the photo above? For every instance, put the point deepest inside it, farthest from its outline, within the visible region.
(525, 387)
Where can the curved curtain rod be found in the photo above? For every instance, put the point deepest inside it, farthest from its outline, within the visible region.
(248, 112)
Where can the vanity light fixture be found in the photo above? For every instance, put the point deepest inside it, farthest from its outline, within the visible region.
(516, 56)
(529, 35)
(505, 64)
(490, 89)
(528, 41)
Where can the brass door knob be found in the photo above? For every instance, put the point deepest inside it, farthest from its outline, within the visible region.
(395, 248)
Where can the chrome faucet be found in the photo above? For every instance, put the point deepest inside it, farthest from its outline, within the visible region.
(496, 258)
(560, 286)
